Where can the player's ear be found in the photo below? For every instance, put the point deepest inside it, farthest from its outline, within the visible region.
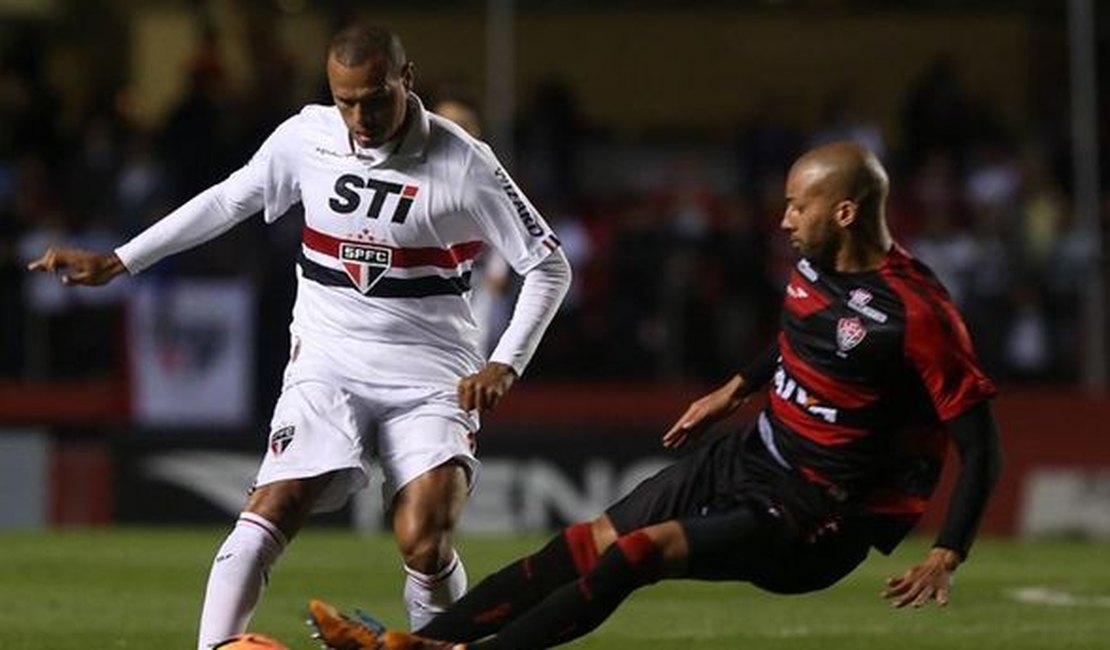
(845, 213)
(408, 75)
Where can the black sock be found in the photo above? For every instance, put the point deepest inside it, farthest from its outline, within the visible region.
(576, 608)
(504, 595)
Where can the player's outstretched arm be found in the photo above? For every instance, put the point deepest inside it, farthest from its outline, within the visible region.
(706, 411)
(976, 436)
(725, 400)
(76, 266)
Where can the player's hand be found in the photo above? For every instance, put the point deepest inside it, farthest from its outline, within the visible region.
(929, 581)
(704, 412)
(484, 389)
(75, 266)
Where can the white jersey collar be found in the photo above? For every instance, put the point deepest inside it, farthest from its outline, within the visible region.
(410, 144)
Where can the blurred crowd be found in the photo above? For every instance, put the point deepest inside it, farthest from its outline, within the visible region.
(674, 238)
(683, 279)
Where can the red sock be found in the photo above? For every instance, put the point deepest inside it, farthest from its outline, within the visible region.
(504, 595)
(577, 608)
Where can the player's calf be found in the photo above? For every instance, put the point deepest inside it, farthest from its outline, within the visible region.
(576, 608)
(506, 594)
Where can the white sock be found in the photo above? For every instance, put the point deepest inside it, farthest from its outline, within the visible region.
(427, 596)
(240, 571)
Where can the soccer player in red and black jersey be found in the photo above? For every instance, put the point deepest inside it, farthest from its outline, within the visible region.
(872, 374)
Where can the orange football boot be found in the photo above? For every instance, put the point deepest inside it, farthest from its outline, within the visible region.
(339, 631)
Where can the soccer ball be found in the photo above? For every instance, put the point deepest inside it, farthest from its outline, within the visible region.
(249, 641)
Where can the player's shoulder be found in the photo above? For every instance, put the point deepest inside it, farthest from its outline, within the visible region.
(315, 126)
(313, 120)
(923, 295)
(451, 141)
(318, 114)
(913, 274)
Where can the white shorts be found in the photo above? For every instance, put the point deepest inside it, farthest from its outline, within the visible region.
(327, 422)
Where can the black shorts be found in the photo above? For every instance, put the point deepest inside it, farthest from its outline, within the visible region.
(748, 518)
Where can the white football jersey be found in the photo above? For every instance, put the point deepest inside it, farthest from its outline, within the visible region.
(389, 238)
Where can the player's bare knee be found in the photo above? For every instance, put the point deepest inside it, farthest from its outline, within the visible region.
(660, 550)
(674, 551)
(424, 537)
(603, 532)
(415, 526)
(439, 495)
(426, 554)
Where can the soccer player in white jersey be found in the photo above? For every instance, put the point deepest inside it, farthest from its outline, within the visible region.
(384, 358)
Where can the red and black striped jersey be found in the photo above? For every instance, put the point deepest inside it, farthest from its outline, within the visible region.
(870, 366)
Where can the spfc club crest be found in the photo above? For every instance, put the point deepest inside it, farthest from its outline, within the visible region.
(849, 332)
(365, 263)
(281, 439)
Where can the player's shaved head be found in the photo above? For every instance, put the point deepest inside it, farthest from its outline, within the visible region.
(835, 207)
(370, 79)
(359, 43)
(848, 170)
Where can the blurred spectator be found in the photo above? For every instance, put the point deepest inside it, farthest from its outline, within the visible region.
(70, 332)
(1074, 258)
(844, 118)
(766, 146)
(196, 144)
(1042, 213)
(11, 303)
(937, 114)
(458, 103)
(949, 249)
(748, 301)
(270, 95)
(993, 180)
(548, 142)
(201, 143)
(1028, 350)
(568, 341)
(690, 213)
(29, 107)
(636, 334)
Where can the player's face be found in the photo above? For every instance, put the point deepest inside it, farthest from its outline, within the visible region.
(809, 218)
(372, 102)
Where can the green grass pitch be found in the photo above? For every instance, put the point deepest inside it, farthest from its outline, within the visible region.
(141, 589)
